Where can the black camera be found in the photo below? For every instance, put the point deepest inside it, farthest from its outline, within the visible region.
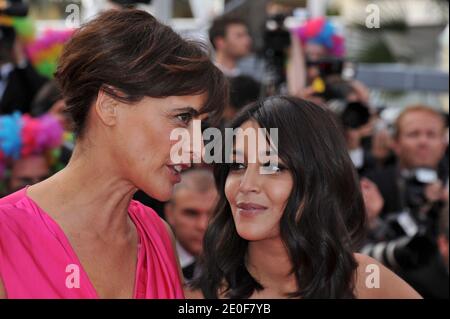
(403, 253)
(355, 115)
(277, 39)
(406, 240)
(414, 183)
(327, 66)
(401, 241)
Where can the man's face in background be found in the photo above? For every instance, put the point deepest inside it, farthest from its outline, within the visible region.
(237, 42)
(188, 214)
(28, 171)
(421, 140)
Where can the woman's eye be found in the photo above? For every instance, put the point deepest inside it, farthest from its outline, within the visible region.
(273, 168)
(236, 166)
(185, 118)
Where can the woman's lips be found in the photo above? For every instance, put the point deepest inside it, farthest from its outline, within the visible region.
(175, 171)
(250, 209)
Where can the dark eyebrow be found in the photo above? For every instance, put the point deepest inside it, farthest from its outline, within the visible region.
(267, 153)
(188, 109)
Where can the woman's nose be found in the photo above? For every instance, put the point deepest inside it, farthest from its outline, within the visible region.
(197, 144)
(251, 180)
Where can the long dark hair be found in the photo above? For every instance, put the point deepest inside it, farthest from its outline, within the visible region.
(324, 219)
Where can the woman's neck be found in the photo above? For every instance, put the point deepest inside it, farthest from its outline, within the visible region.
(87, 196)
(269, 263)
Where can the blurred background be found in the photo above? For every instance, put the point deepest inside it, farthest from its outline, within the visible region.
(382, 66)
(403, 61)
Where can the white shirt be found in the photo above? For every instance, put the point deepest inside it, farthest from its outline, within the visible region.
(357, 156)
(231, 73)
(185, 257)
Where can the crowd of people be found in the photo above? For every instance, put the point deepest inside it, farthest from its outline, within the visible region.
(401, 167)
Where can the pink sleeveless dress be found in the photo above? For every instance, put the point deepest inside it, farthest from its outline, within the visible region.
(38, 262)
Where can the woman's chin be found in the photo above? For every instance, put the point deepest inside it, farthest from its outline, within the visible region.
(162, 193)
(251, 235)
(164, 196)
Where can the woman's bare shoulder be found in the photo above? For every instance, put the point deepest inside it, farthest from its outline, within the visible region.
(375, 281)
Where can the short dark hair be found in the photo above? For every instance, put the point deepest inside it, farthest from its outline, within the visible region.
(47, 96)
(132, 53)
(243, 90)
(197, 179)
(220, 25)
(417, 108)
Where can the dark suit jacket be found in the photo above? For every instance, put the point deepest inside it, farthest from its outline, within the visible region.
(23, 85)
(386, 180)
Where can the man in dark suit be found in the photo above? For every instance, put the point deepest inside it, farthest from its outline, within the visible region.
(19, 82)
(188, 213)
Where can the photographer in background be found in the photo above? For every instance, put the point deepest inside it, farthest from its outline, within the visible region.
(413, 193)
(432, 280)
(358, 119)
(420, 144)
(317, 67)
(357, 123)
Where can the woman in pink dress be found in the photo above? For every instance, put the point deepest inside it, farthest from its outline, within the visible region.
(128, 81)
